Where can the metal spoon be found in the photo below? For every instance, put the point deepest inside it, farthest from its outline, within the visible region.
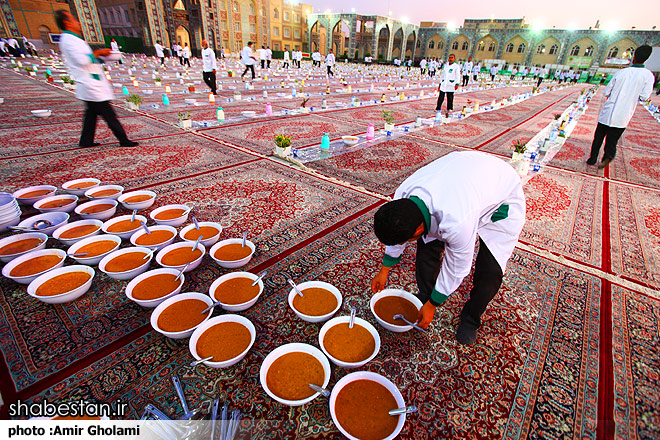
(295, 287)
(195, 363)
(194, 248)
(407, 410)
(156, 412)
(187, 413)
(217, 303)
(144, 225)
(409, 323)
(181, 272)
(352, 321)
(214, 417)
(23, 228)
(262, 274)
(148, 255)
(195, 222)
(41, 224)
(244, 238)
(133, 215)
(78, 254)
(318, 389)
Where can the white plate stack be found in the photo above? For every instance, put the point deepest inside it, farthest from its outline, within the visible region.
(10, 213)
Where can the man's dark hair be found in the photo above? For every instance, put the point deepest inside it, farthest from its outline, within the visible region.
(60, 17)
(643, 53)
(396, 222)
(249, 43)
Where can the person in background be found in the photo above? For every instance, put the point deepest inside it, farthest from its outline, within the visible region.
(13, 47)
(269, 57)
(493, 72)
(115, 48)
(92, 87)
(624, 90)
(467, 71)
(422, 67)
(433, 66)
(248, 59)
(186, 55)
(262, 56)
(449, 81)
(286, 59)
(3, 48)
(475, 71)
(209, 66)
(222, 53)
(445, 207)
(329, 62)
(159, 52)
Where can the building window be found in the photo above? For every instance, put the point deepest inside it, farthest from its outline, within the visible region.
(297, 47)
(464, 46)
(128, 20)
(296, 18)
(276, 46)
(223, 25)
(276, 31)
(480, 46)
(509, 48)
(276, 13)
(253, 28)
(235, 7)
(419, 43)
(521, 48)
(575, 51)
(540, 50)
(286, 47)
(613, 52)
(431, 44)
(287, 33)
(252, 10)
(454, 46)
(237, 27)
(589, 51)
(491, 47)
(296, 34)
(629, 52)
(287, 16)
(554, 49)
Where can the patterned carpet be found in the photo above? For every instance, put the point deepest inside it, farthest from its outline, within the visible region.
(564, 352)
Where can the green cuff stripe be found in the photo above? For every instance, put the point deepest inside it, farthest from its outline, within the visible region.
(437, 298)
(500, 214)
(389, 261)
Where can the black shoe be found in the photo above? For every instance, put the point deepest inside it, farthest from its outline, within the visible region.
(94, 144)
(591, 161)
(605, 162)
(466, 334)
(129, 144)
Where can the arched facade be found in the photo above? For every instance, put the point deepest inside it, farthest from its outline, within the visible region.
(518, 50)
(546, 52)
(457, 47)
(486, 48)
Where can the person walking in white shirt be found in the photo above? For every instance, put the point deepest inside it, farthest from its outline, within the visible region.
(475, 71)
(115, 48)
(329, 62)
(316, 59)
(449, 81)
(159, 52)
(92, 87)
(209, 66)
(433, 66)
(445, 207)
(624, 90)
(269, 57)
(262, 56)
(186, 54)
(248, 59)
(286, 59)
(467, 70)
(422, 66)
(493, 72)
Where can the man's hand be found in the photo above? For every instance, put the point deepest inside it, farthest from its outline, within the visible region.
(456, 87)
(102, 52)
(380, 280)
(425, 316)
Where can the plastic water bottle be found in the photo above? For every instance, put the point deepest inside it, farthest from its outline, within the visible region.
(166, 99)
(325, 142)
(418, 121)
(124, 90)
(438, 116)
(269, 109)
(553, 135)
(293, 92)
(265, 94)
(370, 132)
(324, 104)
(211, 98)
(220, 114)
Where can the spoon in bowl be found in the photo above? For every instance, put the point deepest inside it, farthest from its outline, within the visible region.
(352, 321)
(262, 274)
(183, 269)
(194, 364)
(217, 303)
(194, 248)
(409, 323)
(407, 410)
(244, 239)
(144, 225)
(133, 215)
(290, 281)
(195, 222)
(148, 255)
(318, 389)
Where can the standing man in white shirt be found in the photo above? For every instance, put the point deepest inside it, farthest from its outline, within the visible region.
(625, 89)
(422, 66)
(262, 56)
(248, 59)
(186, 54)
(475, 71)
(493, 72)
(115, 48)
(467, 70)
(286, 59)
(445, 207)
(269, 57)
(209, 66)
(316, 59)
(329, 62)
(449, 81)
(92, 87)
(159, 52)
(179, 53)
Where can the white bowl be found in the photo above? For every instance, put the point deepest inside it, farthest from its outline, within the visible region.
(129, 274)
(127, 234)
(18, 237)
(242, 306)
(30, 200)
(73, 201)
(90, 192)
(192, 343)
(138, 205)
(93, 261)
(173, 222)
(162, 306)
(342, 319)
(322, 285)
(293, 348)
(350, 140)
(28, 256)
(56, 219)
(103, 215)
(249, 114)
(41, 113)
(69, 241)
(207, 242)
(140, 232)
(148, 92)
(12, 221)
(7, 201)
(190, 100)
(367, 375)
(189, 244)
(236, 263)
(79, 192)
(153, 302)
(394, 292)
(62, 297)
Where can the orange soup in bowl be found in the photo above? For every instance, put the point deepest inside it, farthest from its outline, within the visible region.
(237, 290)
(232, 252)
(35, 193)
(105, 193)
(126, 262)
(82, 185)
(96, 248)
(389, 306)
(20, 246)
(362, 408)
(58, 203)
(182, 315)
(95, 209)
(349, 344)
(170, 214)
(180, 256)
(223, 341)
(124, 226)
(315, 301)
(289, 375)
(79, 231)
(63, 283)
(156, 286)
(137, 198)
(204, 231)
(35, 265)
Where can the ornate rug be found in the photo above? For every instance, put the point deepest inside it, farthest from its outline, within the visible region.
(464, 133)
(640, 166)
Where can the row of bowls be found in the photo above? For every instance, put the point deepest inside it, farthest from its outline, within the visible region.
(10, 212)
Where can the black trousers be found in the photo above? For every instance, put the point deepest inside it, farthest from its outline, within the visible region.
(330, 72)
(487, 278)
(466, 79)
(263, 64)
(611, 136)
(209, 79)
(441, 99)
(539, 81)
(181, 60)
(267, 64)
(249, 67)
(286, 65)
(103, 109)
(186, 61)
(162, 60)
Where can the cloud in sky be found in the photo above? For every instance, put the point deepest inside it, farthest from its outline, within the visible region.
(643, 14)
